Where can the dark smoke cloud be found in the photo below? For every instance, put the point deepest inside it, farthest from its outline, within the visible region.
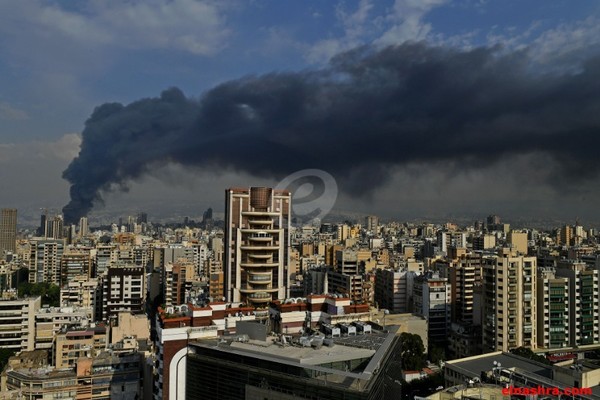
(368, 111)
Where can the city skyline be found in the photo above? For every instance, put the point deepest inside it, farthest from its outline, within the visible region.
(546, 50)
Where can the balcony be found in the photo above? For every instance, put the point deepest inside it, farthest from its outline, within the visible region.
(258, 248)
(261, 222)
(260, 297)
(260, 279)
(260, 239)
(260, 256)
(259, 265)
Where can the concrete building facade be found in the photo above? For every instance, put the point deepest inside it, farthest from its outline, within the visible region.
(257, 241)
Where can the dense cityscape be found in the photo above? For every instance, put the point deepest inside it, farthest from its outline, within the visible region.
(261, 305)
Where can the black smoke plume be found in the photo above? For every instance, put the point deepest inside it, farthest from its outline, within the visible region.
(366, 112)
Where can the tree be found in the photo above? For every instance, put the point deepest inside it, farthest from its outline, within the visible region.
(411, 352)
(436, 354)
(526, 352)
(422, 387)
(49, 292)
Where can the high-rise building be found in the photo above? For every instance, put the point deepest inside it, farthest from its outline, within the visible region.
(463, 277)
(584, 304)
(257, 240)
(432, 298)
(484, 242)
(75, 262)
(8, 231)
(54, 227)
(553, 300)
(102, 255)
(463, 274)
(565, 235)
(83, 227)
(392, 289)
(372, 223)
(41, 231)
(509, 301)
(177, 281)
(123, 289)
(347, 262)
(45, 260)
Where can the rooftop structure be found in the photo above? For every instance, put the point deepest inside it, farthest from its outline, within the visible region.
(242, 368)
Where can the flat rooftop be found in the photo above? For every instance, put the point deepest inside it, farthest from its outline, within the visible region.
(369, 347)
(475, 365)
(305, 355)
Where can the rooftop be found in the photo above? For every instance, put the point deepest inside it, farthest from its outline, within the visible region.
(370, 348)
(304, 355)
(475, 365)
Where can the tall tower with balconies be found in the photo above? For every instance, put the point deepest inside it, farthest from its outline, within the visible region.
(509, 301)
(257, 229)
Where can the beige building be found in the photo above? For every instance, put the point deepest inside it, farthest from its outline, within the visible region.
(393, 289)
(110, 376)
(17, 323)
(44, 260)
(484, 242)
(518, 241)
(406, 323)
(70, 346)
(509, 302)
(80, 292)
(49, 321)
(130, 325)
(74, 263)
(177, 279)
(105, 376)
(257, 242)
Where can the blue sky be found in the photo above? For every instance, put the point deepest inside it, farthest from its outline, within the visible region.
(60, 59)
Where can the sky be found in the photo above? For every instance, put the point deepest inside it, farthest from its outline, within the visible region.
(417, 108)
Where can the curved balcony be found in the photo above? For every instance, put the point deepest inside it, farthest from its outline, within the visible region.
(260, 239)
(251, 289)
(260, 213)
(259, 297)
(259, 279)
(265, 222)
(260, 256)
(251, 231)
(259, 264)
(259, 248)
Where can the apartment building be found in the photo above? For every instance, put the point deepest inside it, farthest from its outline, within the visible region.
(509, 301)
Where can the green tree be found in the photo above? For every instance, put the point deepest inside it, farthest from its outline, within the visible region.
(436, 354)
(49, 292)
(411, 352)
(526, 352)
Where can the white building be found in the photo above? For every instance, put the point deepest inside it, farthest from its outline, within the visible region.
(17, 323)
